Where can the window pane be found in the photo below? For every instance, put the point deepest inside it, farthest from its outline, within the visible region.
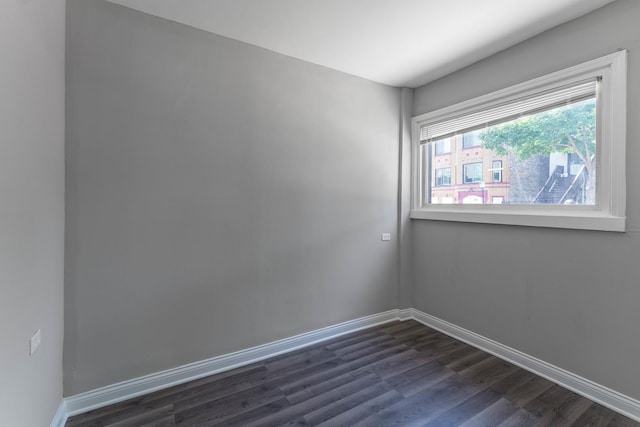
(443, 146)
(543, 158)
(496, 170)
(443, 177)
(471, 139)
(472, 172)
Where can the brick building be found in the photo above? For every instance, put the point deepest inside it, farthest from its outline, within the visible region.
(464, 172)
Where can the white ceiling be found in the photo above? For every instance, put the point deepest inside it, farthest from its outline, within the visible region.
(397, 42)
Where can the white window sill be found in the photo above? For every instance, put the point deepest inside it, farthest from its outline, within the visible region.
(580, 219)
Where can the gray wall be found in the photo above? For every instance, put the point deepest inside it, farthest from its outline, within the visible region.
(219, 196)
(405, 231)
(568, 297)
(31, 208)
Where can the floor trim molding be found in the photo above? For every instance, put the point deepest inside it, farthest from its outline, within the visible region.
(60, 418)
(119, 392)
(114, 393)
(598, 393)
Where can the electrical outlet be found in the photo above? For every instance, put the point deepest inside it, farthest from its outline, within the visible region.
(35, 341)
(386, 237)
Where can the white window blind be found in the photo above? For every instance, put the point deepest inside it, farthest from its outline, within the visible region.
(509, 111)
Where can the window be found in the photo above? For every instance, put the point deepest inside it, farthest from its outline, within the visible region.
(443, 177)
(443, 146)
(472, 172)
(496, 170)
(470, 139)
(555, 144)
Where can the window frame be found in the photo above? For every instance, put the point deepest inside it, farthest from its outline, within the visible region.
(446, 147)
(608, 214)
(499, 170)
(464, 172)
(474, 140)
(436, 177)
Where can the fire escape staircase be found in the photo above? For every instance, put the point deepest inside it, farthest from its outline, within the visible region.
(561, 188)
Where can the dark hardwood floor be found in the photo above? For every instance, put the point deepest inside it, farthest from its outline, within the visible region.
(397, 374)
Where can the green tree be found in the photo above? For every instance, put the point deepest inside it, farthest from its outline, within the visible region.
(569, 129)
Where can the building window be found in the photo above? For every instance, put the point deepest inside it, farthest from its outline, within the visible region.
(471, 172)
(443, 177)
(496, 170)
(471, 139)
(560, 140)
(443, 146)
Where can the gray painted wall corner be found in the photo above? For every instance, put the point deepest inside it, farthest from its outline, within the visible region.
(566, 297)
(216, 192)
(32, 209)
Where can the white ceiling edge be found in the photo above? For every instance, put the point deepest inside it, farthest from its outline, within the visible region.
(404, 43)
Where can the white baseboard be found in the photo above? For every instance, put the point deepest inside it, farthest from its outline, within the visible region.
(405, 314)
(60, 418)
(598, 393)
(104, 396)
(119, 392)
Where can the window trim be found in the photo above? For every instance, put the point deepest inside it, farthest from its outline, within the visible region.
(494, 170)
(475, 140)
(447, 145)
(436, 177)
(609, 212)
(464, 172)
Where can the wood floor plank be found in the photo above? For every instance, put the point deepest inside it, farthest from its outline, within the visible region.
(529, 390)
(168, 421)
(343, 405)
(296, 411)
(417, 379)
(559, 406)
(319, 375)
(363, 411)
(206, 407)
(440, 348)
(471, 359)
(547, 401)
(359, 346)
(417, 330)
(571, 408)
(152, 416)
(394, 364)
(453, 357)
(488, 372)
(417, 336)
(140, 414)
(493, 415)
(153, 399)
(259, 413)
(396, 374)
(520, 418)
(622, 421)
(215, 391)
(465, 410)
(542, 405)
(437, 339)
(424, 406)
(374, 352)
(595, 416)
(320, 388)
(514, 381)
